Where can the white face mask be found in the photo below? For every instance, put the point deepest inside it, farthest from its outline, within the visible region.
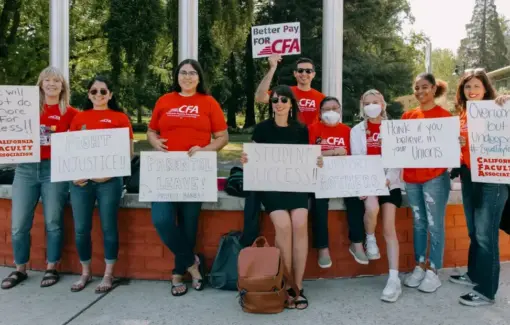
(373, 110)
(331, 117)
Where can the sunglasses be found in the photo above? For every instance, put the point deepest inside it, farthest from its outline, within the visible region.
(102, 91)
(282, 99)
(308, 71)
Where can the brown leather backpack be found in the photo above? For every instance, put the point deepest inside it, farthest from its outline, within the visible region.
(262, 278)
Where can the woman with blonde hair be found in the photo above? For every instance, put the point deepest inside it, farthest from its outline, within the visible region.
(365, 141)
(33, 181)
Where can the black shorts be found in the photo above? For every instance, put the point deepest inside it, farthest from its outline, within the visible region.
(394, 198)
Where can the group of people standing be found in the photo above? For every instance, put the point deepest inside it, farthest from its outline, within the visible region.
(189, 119)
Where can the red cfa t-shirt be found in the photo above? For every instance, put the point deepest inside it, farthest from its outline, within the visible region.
(330, 137)
(373, 144)
(465, 155)
(51, 121)
(422, 175)
(309, 104)
(187, 121)
(101, 119)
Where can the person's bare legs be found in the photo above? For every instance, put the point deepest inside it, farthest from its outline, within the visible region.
(299, 219)
(85, 278)
(283, 238)
(370, 220)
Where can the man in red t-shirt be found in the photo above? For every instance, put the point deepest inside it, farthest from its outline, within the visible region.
(308, 98)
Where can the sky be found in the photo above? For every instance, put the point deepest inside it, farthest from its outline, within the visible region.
(444, 21)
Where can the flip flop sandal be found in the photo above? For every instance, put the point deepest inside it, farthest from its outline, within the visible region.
(82, 285)
(176, 293)
(199, 284)
(104, 289)
(14, 281)
(50, 275)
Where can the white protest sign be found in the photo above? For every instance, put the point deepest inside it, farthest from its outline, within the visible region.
(489, 141)
(280, 167)
(283, 39)
(19, 124)
(351, 176)
(90, 154)
(177, 177)
(421, 143)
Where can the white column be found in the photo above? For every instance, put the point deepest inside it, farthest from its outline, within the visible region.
(59, 35)
(428, 56)
(332, 47)
(188, 29)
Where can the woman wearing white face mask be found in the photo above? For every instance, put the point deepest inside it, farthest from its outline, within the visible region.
(365, 141)
(334, 138)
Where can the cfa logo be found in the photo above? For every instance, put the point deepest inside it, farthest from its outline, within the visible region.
(280, 46)
(184, 111)
(334, 141)
(54, 117)
(188, 109)
(303, 102)
(374, 137)
(106, 121)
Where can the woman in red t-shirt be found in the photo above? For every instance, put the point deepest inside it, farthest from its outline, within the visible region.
(334, 138)
(483, 202)
(184, 120)
(427, 190)
(365, 141)
(100, 112)
(33, 181)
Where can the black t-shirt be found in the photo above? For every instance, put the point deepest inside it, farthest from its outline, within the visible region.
(268, 132)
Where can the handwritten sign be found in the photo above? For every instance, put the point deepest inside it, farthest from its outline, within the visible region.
(283, 39)
(19, 124)
(281, 167)
(90, 154)
(421, 143)
(351, 176)
(489, 141)
(176, 177)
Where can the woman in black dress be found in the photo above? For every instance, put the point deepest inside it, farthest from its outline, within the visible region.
(288, 211)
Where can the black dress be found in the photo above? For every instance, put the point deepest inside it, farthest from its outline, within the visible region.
(296, 133)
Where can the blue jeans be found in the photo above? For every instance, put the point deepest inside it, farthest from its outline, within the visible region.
(483, 217)
(83, 199)
(177, 226)
(31, 182)
(428, 202)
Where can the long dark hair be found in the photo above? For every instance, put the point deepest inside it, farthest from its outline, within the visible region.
(201, 87)
(461, 100)
(112, 103)
(284, 90)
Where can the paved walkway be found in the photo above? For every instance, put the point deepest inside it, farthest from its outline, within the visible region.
(335, 302)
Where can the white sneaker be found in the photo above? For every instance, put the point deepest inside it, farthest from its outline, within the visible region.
(372, 250)
(430, 283)
(414, 279)
(392, 291)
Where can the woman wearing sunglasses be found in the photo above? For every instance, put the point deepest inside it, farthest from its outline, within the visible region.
(483, 202)
(185, 120)
(365, 141)
(100, 112)
(33, 181)
(334, 138)
(288, 211)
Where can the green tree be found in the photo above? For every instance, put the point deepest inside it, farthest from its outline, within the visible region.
(484, 46)
(505, 29)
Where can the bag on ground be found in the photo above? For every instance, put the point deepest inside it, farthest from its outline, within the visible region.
(223, 273)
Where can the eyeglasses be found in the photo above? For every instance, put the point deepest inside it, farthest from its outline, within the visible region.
(102, 91)
(308, 71)
(282, 99)
(188, 73)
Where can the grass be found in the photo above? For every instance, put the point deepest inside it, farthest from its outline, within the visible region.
(229, 154)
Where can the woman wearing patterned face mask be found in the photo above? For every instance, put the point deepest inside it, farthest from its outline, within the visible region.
(334, 138)
(365, 141)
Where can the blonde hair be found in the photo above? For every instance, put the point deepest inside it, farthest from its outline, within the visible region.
(63, 100)
(377, 94)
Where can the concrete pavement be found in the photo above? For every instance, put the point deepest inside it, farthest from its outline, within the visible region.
(335, 302)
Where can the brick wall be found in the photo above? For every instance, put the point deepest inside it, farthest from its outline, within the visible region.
(143, 256)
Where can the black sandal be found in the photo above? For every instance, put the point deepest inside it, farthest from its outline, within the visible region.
(50, 275)
(301, 300)
(176, 293)
(13, 279)
(289, 303)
